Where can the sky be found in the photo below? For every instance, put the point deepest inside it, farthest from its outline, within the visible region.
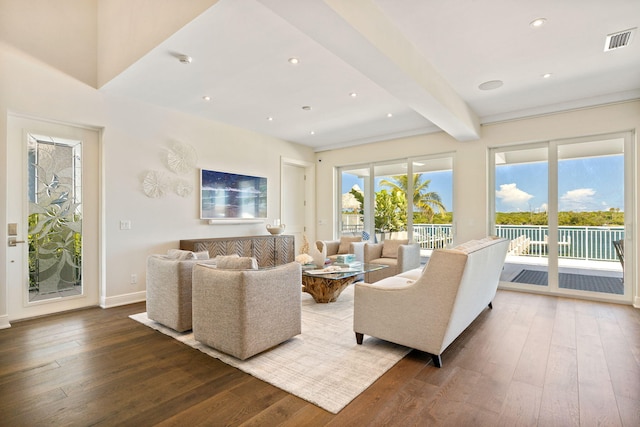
(441, 183)
(589, 184)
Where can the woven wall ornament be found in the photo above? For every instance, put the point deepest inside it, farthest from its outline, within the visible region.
(181, 158)
(182, 187)
(155, 184)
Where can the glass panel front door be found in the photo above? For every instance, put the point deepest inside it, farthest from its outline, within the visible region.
(54, 217)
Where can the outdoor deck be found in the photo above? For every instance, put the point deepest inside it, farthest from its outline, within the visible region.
(588, 275)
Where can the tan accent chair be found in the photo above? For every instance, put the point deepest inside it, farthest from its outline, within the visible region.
(245, 312)
(344, 245)
(169, 289)
(427, 309)
(398, 255)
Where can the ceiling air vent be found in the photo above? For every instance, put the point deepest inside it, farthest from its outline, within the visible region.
(619, 39)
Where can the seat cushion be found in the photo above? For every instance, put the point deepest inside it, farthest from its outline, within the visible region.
(392, 262)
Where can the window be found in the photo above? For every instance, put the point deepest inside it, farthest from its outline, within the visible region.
(373, 200)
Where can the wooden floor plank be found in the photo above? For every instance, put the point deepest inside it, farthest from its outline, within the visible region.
(532, 360)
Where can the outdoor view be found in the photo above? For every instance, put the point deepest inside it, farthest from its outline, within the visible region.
(588, 208)
(429, 204)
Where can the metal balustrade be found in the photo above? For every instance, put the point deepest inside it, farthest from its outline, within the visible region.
(574, 242)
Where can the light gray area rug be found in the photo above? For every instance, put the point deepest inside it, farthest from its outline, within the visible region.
(323, 365)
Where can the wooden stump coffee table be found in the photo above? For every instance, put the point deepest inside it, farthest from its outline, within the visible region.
(325, 285)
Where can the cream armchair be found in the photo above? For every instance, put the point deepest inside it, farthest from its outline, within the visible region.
(344, 245)
(244, 312)
(398, 255)
(169, 287)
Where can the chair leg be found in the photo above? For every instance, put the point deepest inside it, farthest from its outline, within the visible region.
(359, 337)
(491, 305)
(437, 361)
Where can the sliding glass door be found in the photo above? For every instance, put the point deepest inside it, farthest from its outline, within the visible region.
(591, 215)
(391, 209)
(521, 212)
(564, 205)
(403, 199)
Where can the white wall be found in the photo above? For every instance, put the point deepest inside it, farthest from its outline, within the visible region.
(471, 161)
(134, 138)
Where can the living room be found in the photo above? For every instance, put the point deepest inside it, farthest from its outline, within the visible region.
(53, 83)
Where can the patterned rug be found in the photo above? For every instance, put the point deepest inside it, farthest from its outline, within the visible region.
(582, 282)
(323, 365)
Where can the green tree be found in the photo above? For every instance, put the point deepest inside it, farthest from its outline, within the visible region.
(428, 202)
(391, 211)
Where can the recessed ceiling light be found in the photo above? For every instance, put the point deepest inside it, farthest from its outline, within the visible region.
(206, 98)
(490, 85)
(546, 76)
(293, 61)
(270, 119)
(537, 23)
(185, 59)
(312, 133)
(353, 94)
(306, 108)
(389, 115)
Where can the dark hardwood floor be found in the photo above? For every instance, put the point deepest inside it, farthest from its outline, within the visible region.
(532, 360)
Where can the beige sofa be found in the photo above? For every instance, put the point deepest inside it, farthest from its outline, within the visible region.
(244, 312)
(427, 309)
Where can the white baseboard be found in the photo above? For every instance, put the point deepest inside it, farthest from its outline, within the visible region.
(123, 299)
(4, 322)
(636, 302)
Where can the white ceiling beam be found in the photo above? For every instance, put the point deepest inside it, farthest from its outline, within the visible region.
(359, 33)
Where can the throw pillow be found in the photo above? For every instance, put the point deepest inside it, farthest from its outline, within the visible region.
(202, 255)
(179, 254)
(390, 247)
(237, 263)
(345, 243)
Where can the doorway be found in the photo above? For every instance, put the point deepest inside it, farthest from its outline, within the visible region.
(53, 217)
(297, 183)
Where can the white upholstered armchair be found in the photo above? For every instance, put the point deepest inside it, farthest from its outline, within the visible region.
(244, 312)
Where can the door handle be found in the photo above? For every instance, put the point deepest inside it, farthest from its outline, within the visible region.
(13, 242)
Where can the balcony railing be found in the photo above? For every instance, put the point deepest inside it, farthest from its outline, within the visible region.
(584, 243)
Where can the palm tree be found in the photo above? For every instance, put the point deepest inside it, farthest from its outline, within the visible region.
(429, 202)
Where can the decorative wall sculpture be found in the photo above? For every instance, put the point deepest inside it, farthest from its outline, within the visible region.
(181, 158)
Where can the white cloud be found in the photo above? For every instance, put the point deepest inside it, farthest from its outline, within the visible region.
(510, 194)
(580, 199)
